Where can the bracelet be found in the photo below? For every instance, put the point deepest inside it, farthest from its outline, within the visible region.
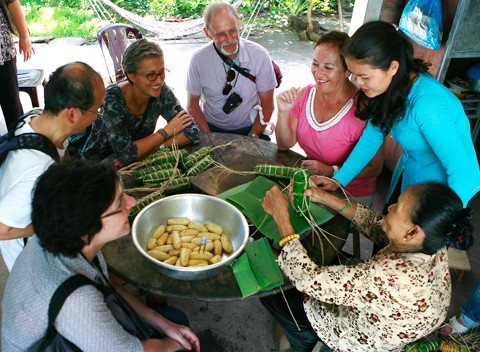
(287, 239)
(345, 207)
(163, 133)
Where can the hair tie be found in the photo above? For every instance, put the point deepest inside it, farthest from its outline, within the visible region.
(456, 233)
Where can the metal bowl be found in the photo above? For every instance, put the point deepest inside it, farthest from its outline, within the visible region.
(200, 208)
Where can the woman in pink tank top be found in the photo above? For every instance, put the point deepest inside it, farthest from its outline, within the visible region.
(321, 118)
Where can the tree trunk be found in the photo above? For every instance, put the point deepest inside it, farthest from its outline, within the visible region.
(311, 34)
(340, 14)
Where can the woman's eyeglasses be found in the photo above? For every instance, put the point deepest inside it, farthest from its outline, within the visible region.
(228, 86)
(99, 112)
(152, 76)
(121, 209)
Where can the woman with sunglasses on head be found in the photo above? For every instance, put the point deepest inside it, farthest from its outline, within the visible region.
(131, 109)
(321, 118)
(78, 207)
(399, 97)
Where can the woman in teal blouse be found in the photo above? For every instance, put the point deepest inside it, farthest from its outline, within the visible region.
(399, 97)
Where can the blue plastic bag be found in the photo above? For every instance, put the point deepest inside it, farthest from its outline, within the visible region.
(422, 21)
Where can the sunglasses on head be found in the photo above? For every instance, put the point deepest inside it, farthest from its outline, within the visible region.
(228, 85)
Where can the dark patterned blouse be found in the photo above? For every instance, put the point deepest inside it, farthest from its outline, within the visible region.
(118, 129)
(7, 46)
(380, 305)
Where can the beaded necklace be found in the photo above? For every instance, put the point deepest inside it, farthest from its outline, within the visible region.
(322, 126)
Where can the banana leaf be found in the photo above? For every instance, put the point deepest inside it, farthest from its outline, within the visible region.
(256, 269)
(248, 199)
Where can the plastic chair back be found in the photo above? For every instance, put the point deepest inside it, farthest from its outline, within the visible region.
(115, 38)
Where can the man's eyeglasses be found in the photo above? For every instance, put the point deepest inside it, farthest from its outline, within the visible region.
(123, 207)
(228, 86)
(152, 76)
(99, 112)
(233, 33)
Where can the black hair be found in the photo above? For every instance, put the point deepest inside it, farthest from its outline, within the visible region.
(70, 85)
(68, 201)
(377, 44)
(439, 211)
(337, 39)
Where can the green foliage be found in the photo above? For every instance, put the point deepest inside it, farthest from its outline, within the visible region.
(61, 21)
(61, 18)
(297, 7)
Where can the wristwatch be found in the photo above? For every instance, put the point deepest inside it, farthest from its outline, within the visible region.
(335, 169)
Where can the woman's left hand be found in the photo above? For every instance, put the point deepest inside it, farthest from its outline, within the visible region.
(181, 121)
(183, 335)
(318, 168)
(25, 47)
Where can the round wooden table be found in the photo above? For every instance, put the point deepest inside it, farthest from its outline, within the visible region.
(242, 153)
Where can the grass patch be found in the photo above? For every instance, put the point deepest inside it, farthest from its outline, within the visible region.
(62, 22)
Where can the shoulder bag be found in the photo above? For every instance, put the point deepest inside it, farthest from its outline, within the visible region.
(121, 310)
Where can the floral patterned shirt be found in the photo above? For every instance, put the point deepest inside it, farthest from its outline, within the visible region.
(7, 46)
(118, 129)
(380, 305)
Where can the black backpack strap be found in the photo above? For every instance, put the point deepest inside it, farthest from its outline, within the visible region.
(62, 293)
(35, 141)
(56, 304)
(120, 307)
(21, 120)
(237, 68)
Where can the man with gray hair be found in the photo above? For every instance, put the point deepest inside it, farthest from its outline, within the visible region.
(73, 96)
(230, 79)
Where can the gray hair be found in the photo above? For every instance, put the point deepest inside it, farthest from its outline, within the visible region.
(216, 7)
(137, 51)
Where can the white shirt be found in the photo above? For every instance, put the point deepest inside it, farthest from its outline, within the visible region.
(18, 174)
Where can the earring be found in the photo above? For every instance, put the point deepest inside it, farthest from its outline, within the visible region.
(404, 238)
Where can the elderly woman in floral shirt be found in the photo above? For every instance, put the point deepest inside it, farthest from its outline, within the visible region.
(401, 294)
(126, 125)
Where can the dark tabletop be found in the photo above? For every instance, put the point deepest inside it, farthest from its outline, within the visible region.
(242, 154)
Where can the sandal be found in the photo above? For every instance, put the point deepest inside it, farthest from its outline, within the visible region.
(453, 328)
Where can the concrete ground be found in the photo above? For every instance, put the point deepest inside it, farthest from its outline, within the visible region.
(242, 325)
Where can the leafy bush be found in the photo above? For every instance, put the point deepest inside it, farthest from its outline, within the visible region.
(61, 18)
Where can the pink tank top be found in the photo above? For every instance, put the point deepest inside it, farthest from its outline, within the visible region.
(332, 141)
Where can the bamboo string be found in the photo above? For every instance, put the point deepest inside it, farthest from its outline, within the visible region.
(289, 309)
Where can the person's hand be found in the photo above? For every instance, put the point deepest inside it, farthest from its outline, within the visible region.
(181, 121)
(183, 335)
(25, 47)
(118, 164)
(317, 167)
(325, 183)
(316, 194)
(286, 99)
(275, 201)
